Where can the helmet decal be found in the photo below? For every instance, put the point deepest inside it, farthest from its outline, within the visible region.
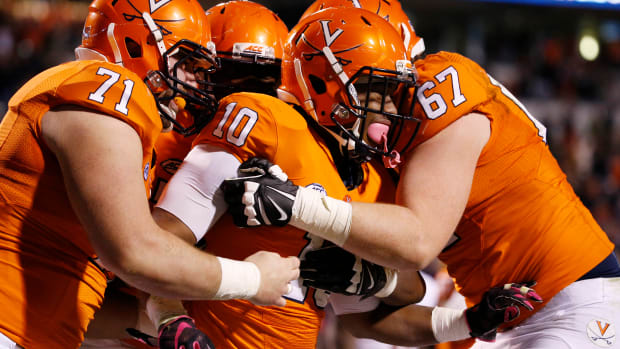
(330, 37)
(390, 11)
(154, 5)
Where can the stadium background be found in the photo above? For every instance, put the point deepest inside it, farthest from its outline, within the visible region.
(560, 58)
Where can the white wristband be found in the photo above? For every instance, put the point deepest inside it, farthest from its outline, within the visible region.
(390, 283)
(322, 215)
(161, 310)
(240, 280)
(449, 324)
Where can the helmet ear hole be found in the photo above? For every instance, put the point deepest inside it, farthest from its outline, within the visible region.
(317, 84)
(133, 48)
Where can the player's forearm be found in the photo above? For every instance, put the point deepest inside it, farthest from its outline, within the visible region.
(389, 235)
(410, 289)
(164, 265)
(413, 325)
(385, 234)
(407, 326)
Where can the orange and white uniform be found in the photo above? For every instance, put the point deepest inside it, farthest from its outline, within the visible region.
(50, 286)
(248, 125)
(523, 220)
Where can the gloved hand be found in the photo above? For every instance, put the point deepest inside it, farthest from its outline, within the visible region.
(261, 195)
(499, 305)
(181, 333)
(333, 269)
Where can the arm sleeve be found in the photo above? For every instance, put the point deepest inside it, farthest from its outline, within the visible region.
(343, 304)
(193, 193)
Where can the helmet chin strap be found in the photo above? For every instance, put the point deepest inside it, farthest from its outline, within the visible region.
(307, 103)
(171, 108)
(118, 59)
(308, 106)
(347, 144)
(337, 68)
(159, 38)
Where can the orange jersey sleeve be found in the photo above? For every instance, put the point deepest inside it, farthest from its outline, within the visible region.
(249, 125)
(449, 86)
(522, 220)
(44, 251)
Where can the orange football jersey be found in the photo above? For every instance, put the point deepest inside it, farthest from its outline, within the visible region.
(247, 125)
(523, 220)
(50, 289)
(170, 150)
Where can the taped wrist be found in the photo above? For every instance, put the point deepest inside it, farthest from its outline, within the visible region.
(391, 279)
(449, 324)
(322, 215)
(240, 280)
(161, 310)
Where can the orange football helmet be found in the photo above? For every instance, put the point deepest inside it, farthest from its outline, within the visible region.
(249, 39)
(391, 10)
(155, 40)
(333, 54)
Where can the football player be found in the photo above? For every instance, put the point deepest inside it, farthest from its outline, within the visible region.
(249, 39)
(478, 187)
(75, 154)
(247, 125)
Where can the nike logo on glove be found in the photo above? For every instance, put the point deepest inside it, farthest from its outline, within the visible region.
(372, 281)
(283, 215)
(285, 194)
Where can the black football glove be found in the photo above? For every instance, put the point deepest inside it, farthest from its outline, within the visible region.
(499, 305)
(181, 333)
(333, 269)
(261, 195)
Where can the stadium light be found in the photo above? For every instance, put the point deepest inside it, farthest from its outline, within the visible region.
(589, 47)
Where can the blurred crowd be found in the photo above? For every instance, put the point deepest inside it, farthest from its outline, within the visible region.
(532, 50)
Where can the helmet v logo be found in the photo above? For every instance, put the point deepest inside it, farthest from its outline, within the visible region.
(154, 5)
(329, 36)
